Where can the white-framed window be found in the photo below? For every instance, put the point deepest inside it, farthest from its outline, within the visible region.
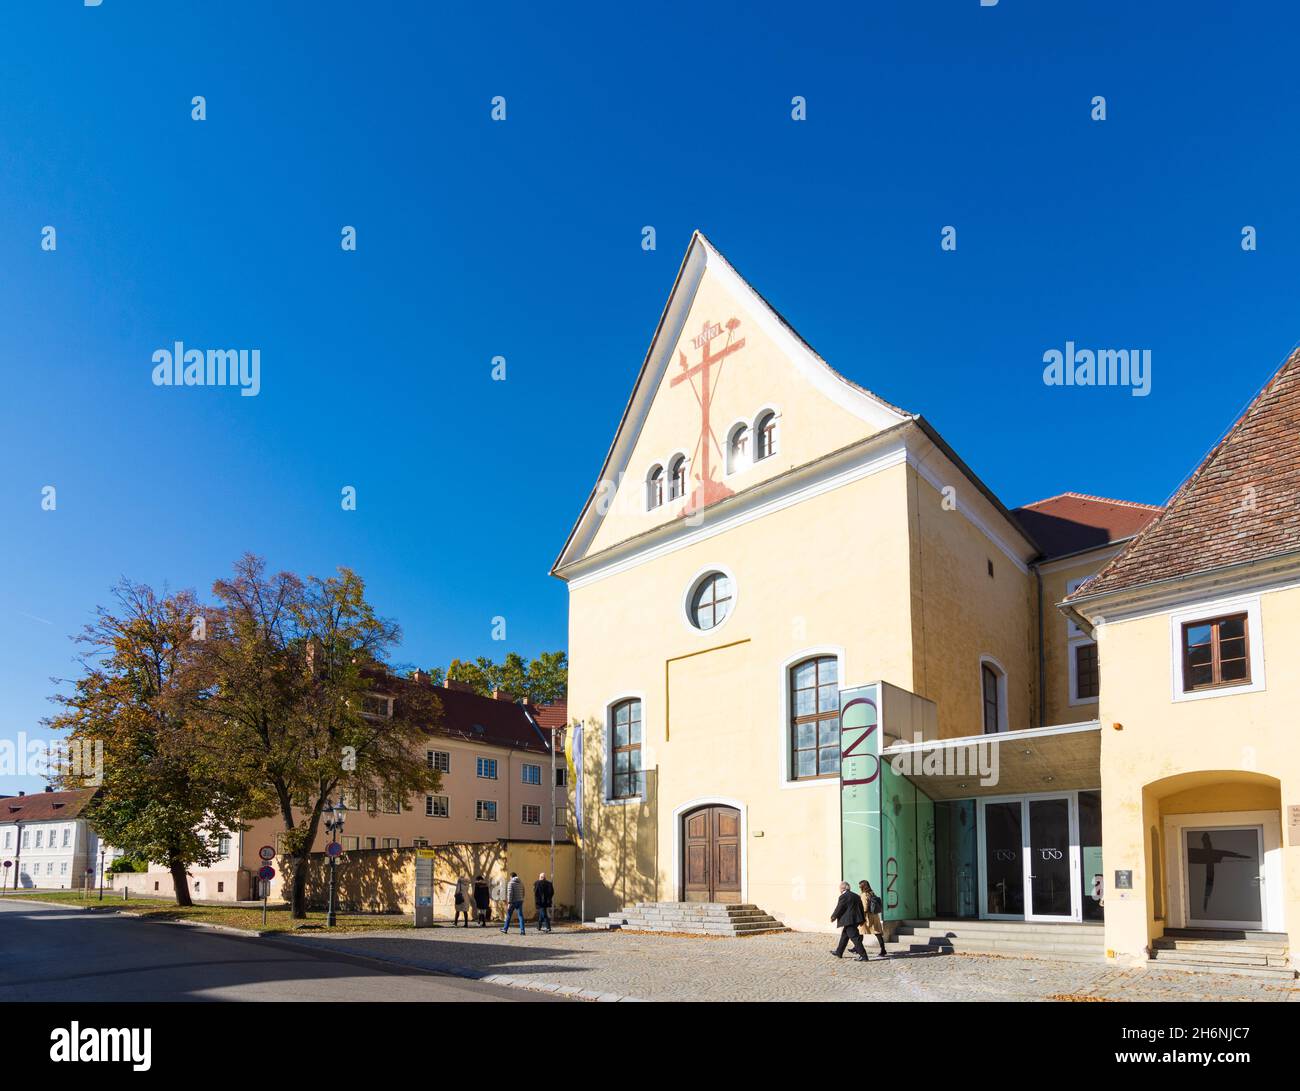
(765, 435)
(374, 704)
(63, 868)
(437, 807)
(487, 768)
(654, 487)
(677, 477)
(531, 814)
(438, 760)
(1217, 649)
(993, 696)
(223, 845)
(40, 836)
(814, 703)
(350, 843)
(625, 731)
(390, 843)
(710, 600)
(1072, 629)
(390, 803)
(420, 843)
(561, 814)
(561, 777)
(738, 440)
(9, 835)
(531, 774)
(67, 835)
(27, 838)
(485, 810)
(1085, 675)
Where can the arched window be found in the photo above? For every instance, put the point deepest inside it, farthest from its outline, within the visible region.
(815, 718)
(711, 600)
(654, 487)
(738, 448)
(993, 694)
(765, 436)
(625, 750)
(677, 478)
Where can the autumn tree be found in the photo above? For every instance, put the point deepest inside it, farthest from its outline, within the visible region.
(293, 667)
(167, 790)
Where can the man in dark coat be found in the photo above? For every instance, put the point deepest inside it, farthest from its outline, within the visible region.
(482, 901)
(543, 898)
(849, 914)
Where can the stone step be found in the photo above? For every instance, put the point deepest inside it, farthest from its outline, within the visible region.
(1275, 973)
(1067, 954)
(693, 918)
(1037, 927)
(1223, 958)
(1009, 935)
(1173, 943)
(1220, 935)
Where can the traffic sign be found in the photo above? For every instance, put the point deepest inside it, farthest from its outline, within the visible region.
(334, 849)
(266, 853)
(266, 872)
(9, 863)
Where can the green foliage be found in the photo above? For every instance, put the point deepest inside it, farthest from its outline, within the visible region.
(540, 681)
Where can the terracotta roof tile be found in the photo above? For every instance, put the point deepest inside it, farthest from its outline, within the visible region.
(1239, 505)
(45, 806)
(1074, 521)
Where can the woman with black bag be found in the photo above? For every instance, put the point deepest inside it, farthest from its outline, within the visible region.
(873, 924)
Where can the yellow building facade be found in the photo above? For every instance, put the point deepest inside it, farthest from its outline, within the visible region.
(766, 540)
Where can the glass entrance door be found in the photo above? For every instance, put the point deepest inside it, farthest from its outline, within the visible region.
(1004, 864)
(1051, 859)
(1224, 876)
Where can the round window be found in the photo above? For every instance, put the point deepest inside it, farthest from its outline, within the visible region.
(711, 601)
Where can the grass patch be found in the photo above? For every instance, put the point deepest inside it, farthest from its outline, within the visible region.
(232, 916)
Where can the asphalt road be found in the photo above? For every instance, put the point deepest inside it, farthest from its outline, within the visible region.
(53, 954)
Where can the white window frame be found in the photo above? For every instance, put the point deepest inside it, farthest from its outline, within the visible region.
(430, 805)
(480, 805)
(743, 462)
(523, 774)
(650, 504)
(776, 434)
(787, 780)
(523, 814)
(562, 773)
(1072, 630)
(669, 498)
(1003, 712)
(693, 585)
(1207, 611)
(607, 787)
(431, 759)
(480, 765)
(1073, 668)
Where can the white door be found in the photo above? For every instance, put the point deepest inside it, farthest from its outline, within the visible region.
(1051, 859)
(1223, 869)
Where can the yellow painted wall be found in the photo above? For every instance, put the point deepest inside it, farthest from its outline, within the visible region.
(1220, 753)
(1057, 639)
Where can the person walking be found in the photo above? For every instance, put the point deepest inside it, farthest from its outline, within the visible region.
(873, 906)
(848, 915)
(514, 903)
(543, 897)
(464, 899)
(482, 900)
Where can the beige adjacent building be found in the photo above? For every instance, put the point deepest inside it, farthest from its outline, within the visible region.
(499, 784)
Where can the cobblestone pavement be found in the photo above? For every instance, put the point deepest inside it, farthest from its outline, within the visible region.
(786, 966)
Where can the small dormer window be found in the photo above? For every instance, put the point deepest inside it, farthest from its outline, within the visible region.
(654, 488)
(677, 478)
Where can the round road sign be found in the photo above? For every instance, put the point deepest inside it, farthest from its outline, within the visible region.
(334, 849)
(267, 872)
(266, 852)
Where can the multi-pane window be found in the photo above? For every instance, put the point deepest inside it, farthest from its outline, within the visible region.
(420, 843)
(1087, 682)
(532, 814)
(626, 750)
(67, 834)
(677, 478)
(223, 845)
(350, 844)
(487, 768)
(9, 838)
(374, 705)
(40, 836)
(438, 760)
(1215, 653)
(561, 814)
(485, 810)
(391, 803)
(765, 430)
(654, 487)
(391, 843)
(711, 601)
(815, 718)
(990, 681)
(532, 774)
(437, 807)
(738, 449)
(561, 777)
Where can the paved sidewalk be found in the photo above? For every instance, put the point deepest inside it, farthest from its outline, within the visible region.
(787, 966)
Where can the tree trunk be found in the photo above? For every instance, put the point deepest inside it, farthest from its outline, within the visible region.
(181, 881)
(298, 892)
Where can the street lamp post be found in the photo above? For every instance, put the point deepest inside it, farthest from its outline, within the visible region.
(101, 871)
(335, 816)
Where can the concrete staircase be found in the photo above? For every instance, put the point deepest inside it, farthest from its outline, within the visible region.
(1017, 939)
(1250, 954)
(694, 918)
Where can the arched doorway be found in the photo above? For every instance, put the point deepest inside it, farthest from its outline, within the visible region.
(711, 854)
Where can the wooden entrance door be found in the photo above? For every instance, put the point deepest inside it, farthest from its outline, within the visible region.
(711, 856)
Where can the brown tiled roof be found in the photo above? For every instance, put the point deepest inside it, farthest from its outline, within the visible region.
(45, 806)
(467, 715)
(556, 714)
(1073, 521)
(1240, 504)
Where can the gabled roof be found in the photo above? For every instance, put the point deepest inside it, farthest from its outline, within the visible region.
(1074, 522)
(46, 806)
(701, 254)
(1240, 505)
(491, 721)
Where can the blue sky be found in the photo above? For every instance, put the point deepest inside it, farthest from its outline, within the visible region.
(522, 239)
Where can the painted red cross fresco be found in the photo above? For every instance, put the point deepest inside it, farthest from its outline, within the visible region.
(708, 489)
